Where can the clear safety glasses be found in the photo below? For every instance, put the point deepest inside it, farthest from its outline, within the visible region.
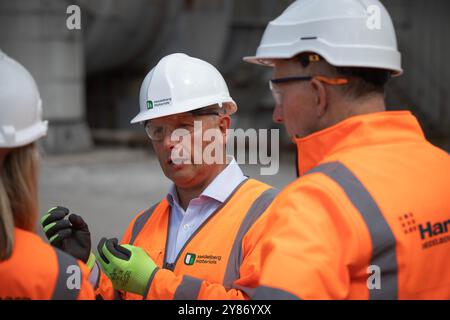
(186, 127)
(273, 83)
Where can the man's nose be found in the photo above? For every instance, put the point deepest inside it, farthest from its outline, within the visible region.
(168, 142)
(277, 115)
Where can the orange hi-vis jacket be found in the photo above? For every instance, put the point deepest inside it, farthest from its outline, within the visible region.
(38, 271)
(222, 259)
(369, 217)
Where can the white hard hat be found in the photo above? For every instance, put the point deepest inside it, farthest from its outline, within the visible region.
(346, 33)
(20, 105)
(180, 83)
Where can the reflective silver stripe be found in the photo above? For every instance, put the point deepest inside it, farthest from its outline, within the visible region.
(235, 259)
(383, 240)
(140, 222)
(268, 293)
(94, 276)
(149, 283)
(188, 289)
(62, 291)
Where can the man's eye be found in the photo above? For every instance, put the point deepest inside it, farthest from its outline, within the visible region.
(158, 130)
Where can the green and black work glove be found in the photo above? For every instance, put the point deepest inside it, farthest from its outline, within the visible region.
(128, 267)
(70, 234)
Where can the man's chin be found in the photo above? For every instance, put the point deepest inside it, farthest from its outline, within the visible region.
(180, 173)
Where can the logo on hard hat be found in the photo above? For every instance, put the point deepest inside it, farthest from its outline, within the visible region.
(149, 104)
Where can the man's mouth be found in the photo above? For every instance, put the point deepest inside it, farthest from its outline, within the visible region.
(178, 162)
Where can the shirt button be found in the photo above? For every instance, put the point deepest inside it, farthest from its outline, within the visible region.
(186, 226)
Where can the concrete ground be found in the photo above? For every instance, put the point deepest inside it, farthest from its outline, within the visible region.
(110, 186)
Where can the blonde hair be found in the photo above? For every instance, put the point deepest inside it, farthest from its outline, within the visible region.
(18, 195)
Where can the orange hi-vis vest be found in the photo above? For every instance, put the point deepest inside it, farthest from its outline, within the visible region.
(369, 217)
(222, 259)
(38, 271)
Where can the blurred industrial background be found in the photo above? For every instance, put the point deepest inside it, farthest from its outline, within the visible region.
(102, 167)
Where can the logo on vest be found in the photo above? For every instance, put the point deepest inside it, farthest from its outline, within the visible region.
(408, 223)
(431, 233)
(189, 259)
(192, 258)
(435, 233)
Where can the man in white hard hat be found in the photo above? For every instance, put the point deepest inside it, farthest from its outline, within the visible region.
(202, 240)
(29, 268)
(368, 217)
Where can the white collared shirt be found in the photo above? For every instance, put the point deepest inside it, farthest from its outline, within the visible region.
(183, 223)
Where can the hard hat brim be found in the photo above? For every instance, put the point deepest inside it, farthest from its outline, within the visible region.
(25, 136)
(152, 114)
(263, 61)
(268, 62)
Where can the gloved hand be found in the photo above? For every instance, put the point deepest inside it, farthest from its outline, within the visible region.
(128, 267)
(70, 235)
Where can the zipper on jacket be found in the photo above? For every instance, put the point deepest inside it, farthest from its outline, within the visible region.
(169, 266)
(201, 226)
(166, 265)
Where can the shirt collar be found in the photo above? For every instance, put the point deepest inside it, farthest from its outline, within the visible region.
(358, 131)
(222, 185)
(172, 195)
(225, 182)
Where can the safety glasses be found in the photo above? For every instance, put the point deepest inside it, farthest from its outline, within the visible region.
(331, 81)
(186, 126)
(273, 83)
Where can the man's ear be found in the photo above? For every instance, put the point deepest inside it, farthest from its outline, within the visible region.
(321, 98)
(224, 123)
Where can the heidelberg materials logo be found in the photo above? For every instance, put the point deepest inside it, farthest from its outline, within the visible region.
(149, 104)
(431, 233)
(189, 259)
(408, 223)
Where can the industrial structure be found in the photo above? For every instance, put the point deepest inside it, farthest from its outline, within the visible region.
(89, 78)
